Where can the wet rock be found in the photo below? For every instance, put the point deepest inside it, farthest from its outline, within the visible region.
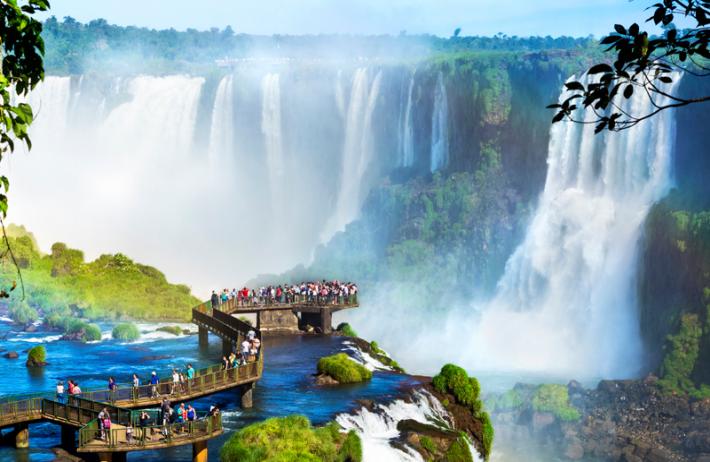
(658, 455)
(31, 328)
(60, 455)
(11, 355)
(325, 379)
(574, 450)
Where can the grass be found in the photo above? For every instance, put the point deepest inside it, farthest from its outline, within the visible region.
(127, 332)
(291, 439)
(343, 369)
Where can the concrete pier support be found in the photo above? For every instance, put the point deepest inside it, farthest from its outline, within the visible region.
(199, 451)
(247, 394)
(111, 457)
(203, 336)
(68, 438)
(226, 347)
(326, 320)
(22, 436)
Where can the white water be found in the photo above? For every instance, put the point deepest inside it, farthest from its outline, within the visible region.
(358, 151)
(566, 303)
(377, 429)
(406, 138)
(440, 127)
(221, 134)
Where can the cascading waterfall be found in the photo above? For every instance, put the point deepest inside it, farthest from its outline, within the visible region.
(271, 129)
(406, 138)
(357, 151)
(221, 128)
(377, 428)
(566, 303)
(440, 127)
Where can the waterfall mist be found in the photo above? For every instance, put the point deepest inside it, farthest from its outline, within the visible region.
(566, 303)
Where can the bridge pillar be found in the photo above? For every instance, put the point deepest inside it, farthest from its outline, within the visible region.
(247, 394)
(68, 438)
(111, 457)
(326, 320)
(203, 336)
(199, 451)
(226, 347)
(22, 436)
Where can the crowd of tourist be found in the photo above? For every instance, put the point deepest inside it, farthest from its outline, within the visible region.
(248, 352)
(320, 293)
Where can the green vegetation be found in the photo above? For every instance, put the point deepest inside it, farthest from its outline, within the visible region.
(508, 401)
(676, 304)
(428, 444)
(291, 439)
(384, 358)
(37, 356)
(459, 450)
(127, 332)
(62, 287)
(343, 369)
(175, 330)
(554, 398)
(345, 329)
(466, 390)
(679, 363)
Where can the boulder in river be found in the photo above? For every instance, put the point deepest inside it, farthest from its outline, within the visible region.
(36, 357)
(11, 355)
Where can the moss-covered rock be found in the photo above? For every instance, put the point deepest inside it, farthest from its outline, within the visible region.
(554, 398)
(127, 332)
(466, 406)
(291, 439)
(343, 369)
(346, 329)
(175, 330)
(37, 356)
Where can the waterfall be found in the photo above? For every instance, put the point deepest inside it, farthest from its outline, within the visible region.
(357, 152)
(271, 125)
(440, 127)
(50, 102)
(406, 144)
(566, 302)
(377, 428)
(222, 126)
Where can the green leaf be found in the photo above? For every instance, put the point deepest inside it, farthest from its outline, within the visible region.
(620, 29)
(628, 91)
(574, 86)
(599, 68)
(5, 182)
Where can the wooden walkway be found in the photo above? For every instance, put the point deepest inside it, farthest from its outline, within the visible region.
(81, 411)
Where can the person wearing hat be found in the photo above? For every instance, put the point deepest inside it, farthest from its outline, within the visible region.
(154, 381)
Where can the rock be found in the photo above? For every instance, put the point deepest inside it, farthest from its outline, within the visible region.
(325, 379)
(63, 456)
(31, 328)
(186, 332)
(11, 355)
(542, 420)
(574, 450)
(658, 455)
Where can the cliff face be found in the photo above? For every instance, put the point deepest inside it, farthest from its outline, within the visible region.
(674, 268)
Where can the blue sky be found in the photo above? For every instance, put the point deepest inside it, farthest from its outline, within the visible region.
(440, 17)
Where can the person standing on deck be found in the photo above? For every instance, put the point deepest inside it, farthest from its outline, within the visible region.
(214, 300)
(190, 375)
(60, 392)
(154, 381)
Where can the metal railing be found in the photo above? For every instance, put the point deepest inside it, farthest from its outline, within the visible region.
(21, 410)
(124, 437)
(233, 305)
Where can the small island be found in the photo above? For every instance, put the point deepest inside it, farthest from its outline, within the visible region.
(340, 368)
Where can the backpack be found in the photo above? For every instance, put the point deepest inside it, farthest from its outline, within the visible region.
(107, 423)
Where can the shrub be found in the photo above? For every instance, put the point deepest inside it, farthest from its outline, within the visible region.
(291, 439)
(22, 313)
(175, 330)
(36, 356)
(343, 369)
(428, 444)
(508, 401)
(92, 333)
(127, 332)
(679, 362)
(488, 434)
(554, 398)
(345, 329)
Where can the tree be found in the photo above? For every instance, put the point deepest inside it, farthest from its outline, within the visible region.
(644, 63)
(21, 70)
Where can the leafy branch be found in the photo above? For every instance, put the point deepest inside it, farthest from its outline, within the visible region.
(22, 68)
(643, 63)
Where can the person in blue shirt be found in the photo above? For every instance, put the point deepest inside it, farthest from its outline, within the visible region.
(154, 381)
